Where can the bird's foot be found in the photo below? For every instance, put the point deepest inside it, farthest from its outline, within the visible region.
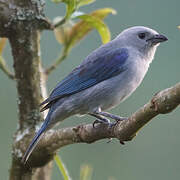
(102, 118)
(120, 120)
(98, 121)
(112, 116)
(109, 140)
(122, 142)
(108, 123)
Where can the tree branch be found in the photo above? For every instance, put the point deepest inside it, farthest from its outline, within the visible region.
(22, 22)
(57, 62)
(163, 102)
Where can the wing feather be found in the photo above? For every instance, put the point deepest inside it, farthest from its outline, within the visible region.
(89, 74)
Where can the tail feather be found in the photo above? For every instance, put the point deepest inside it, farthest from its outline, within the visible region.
(34, 142)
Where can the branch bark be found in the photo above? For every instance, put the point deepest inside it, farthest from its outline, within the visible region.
(163, 102)
(21, 22)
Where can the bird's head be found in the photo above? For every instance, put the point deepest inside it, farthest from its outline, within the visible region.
(142, 38)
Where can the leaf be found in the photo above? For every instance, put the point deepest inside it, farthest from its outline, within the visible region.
(62, 32)
(76, 14)
(86, 172)
(62, 168)
(2, 44)
(99, 25)
(102, 13)
(79, 2)
(56, 1)
(70, 8)
(85, 2)
(60, 1)
(2, 63)
(83, 27)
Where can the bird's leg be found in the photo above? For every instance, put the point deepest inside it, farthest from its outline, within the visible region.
(100, 119)
(109, 115)
(112, 116)
(115, 117)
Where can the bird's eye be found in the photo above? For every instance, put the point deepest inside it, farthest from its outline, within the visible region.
(141, 35)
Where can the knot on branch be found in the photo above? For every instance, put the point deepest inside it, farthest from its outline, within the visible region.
(123, 130)
(165, 101)
(83, 133)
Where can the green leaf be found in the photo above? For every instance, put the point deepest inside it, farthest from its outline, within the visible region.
(86, 172)
(85, 2)
(2, 63)
(2, 44)
(71, 6)
(62, 168)
(62, 32)
(76, 14)
(99, 25)
(87, 24)
(102, 13)
(56, 1)
(60, 1)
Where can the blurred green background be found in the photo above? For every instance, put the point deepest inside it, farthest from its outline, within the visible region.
(154, 153)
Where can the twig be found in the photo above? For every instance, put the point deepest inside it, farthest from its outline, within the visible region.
(60, 23)
(5, 69)
(163, 102)
(62, 167)
(57, 62)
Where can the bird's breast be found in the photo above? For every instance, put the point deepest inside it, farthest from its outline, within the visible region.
(124, 84)
(108, 93)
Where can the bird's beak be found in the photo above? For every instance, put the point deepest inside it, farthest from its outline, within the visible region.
(158, 38)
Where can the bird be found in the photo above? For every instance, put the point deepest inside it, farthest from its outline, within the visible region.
(106, 77)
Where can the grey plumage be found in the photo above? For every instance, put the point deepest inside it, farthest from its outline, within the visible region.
(104, 79)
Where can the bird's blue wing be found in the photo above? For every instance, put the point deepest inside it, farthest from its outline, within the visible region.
(91, 73)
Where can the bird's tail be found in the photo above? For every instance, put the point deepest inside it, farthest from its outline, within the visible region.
(34, 142)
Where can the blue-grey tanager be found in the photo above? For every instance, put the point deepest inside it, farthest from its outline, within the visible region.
(104, 79)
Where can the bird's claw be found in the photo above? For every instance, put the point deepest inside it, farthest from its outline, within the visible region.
(96, 122)
(109, 124)
(121, 119)
(109, 140)
(122, 142)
